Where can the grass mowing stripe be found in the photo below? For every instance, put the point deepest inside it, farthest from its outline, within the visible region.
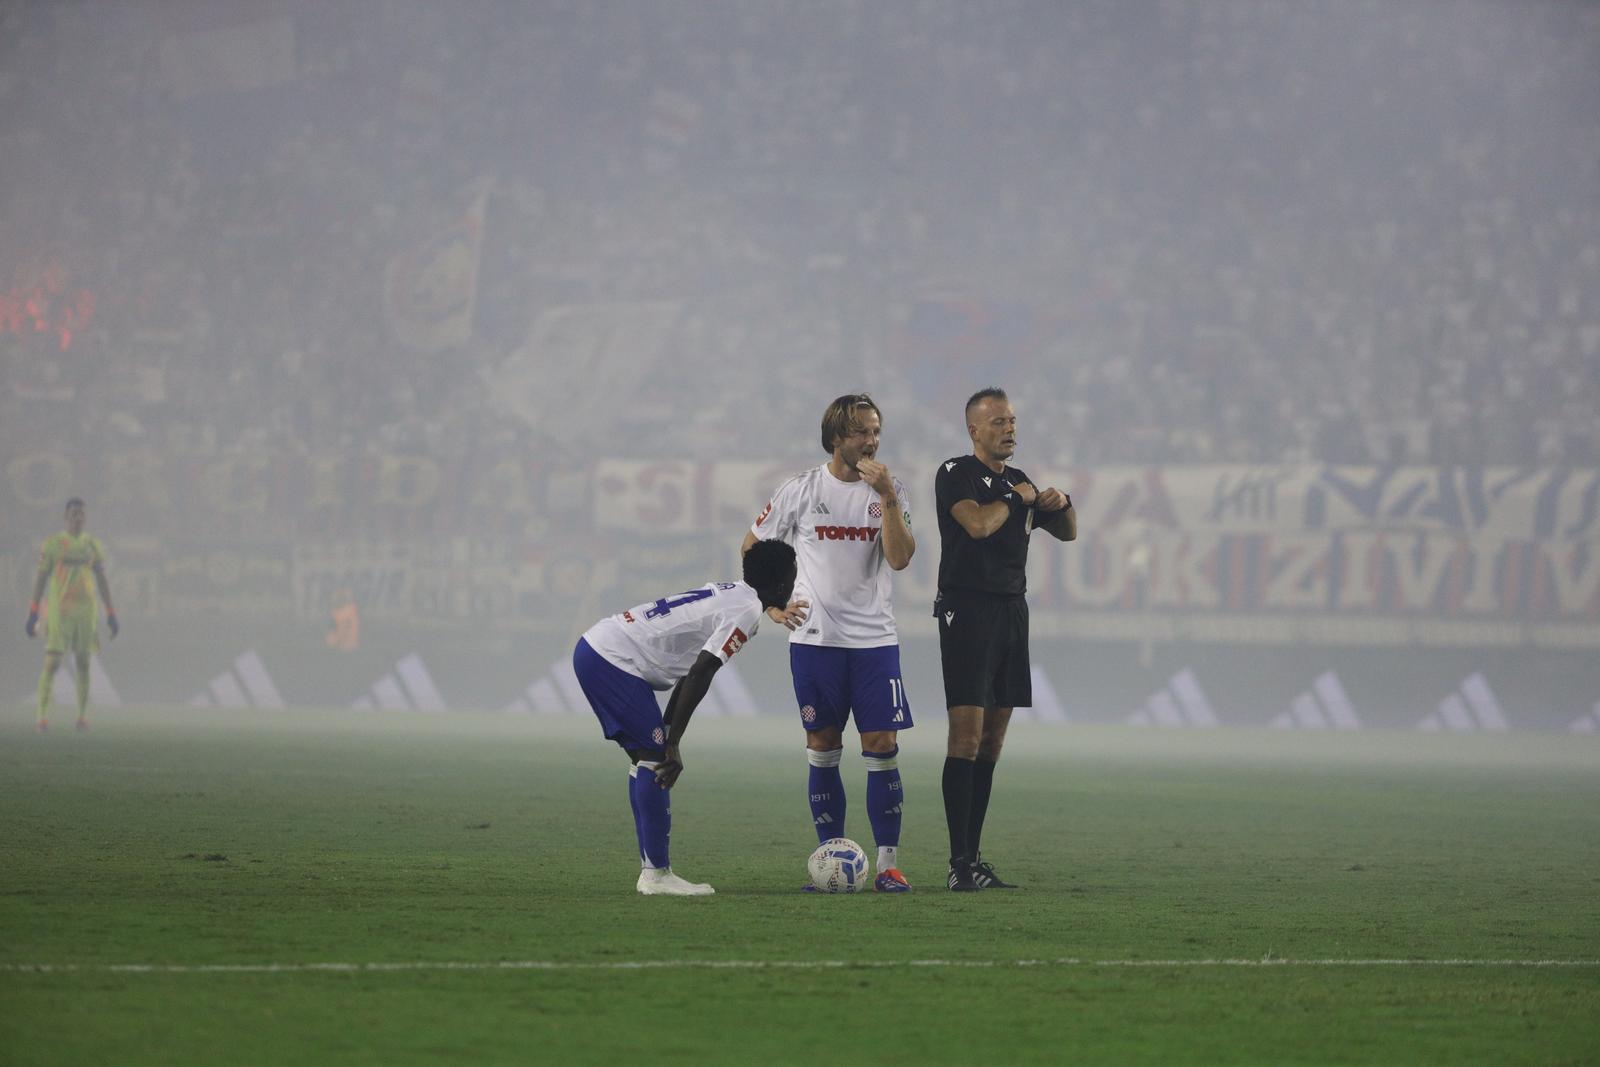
(723, 965)
(1239, 898)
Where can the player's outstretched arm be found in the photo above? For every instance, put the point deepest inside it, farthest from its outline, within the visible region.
(686, 696)
(792, 616)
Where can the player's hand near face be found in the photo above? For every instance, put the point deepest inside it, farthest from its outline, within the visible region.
(1052, 499)
(792, 616)
(876, 475)
(667, 770)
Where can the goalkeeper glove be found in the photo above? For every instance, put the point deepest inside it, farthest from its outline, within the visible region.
(31, 627)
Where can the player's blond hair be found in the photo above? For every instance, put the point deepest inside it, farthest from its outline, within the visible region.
(842, 417)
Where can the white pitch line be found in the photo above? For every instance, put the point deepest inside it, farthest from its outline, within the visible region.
(1273, 961)
(733, 965)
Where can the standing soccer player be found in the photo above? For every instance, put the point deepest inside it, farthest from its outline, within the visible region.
(986, 512)
(850, 523)
(72, 565)
(678, 642)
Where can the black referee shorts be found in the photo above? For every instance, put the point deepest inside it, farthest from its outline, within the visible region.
(983, 647)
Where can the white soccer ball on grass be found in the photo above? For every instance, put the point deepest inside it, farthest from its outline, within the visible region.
(839, 865)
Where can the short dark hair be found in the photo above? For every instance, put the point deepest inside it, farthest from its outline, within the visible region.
(993, 392)
(78, 500)
(840, 418)
(768, 564)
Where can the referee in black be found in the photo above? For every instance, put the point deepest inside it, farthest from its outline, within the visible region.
(987, 510)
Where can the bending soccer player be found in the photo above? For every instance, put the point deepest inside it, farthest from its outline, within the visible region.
(850, 522)
(72, 565)
(678, 642)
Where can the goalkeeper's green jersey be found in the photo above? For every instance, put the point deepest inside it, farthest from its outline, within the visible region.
(70, 562)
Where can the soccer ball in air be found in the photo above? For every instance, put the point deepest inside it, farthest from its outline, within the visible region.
(839, 865)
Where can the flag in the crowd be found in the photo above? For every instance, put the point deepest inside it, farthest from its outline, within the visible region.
(952, 337)
(430, 289)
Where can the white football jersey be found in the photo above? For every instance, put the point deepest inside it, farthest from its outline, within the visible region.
(659, 641)
(834, 528)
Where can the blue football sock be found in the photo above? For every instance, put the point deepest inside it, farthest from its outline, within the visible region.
(883, 796)
(652, 815)
(633, 802)
(827, 793)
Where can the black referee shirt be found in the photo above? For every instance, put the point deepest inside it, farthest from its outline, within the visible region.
(996, 564)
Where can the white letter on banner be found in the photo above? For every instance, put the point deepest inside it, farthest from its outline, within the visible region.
(1417, 581)
(1482, 597)
(1512, 497)
(1358, 581)
(1178, 577)
(1077, 573)
(1576, 511)
(1575, 589)
(1295, 581)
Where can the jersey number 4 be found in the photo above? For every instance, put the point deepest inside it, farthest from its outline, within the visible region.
(665, 605)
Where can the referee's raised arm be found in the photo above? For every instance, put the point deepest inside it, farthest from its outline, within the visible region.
(981, 520)
(1053, 513)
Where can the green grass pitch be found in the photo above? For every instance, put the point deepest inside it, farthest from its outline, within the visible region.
(1189, 897)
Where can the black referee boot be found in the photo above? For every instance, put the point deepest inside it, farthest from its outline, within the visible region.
(983, 874)
(961, 877)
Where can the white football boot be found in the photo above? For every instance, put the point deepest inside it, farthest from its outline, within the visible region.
(662, 882)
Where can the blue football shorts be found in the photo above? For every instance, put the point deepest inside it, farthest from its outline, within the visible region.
(624, 703)
(832, 683)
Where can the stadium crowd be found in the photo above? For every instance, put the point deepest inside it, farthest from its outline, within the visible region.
(1180, 232)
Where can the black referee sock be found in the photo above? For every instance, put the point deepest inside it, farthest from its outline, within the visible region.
(958, 804)
(982, 785)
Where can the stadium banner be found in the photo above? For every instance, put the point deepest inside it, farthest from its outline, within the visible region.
(549, 381)
(215, 493)
(1281, 555)
(430, 290)
(1299, 554)
(184, 579)
(378, 575)
(451, 582)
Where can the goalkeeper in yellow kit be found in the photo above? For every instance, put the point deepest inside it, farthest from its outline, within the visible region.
(72, 566)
